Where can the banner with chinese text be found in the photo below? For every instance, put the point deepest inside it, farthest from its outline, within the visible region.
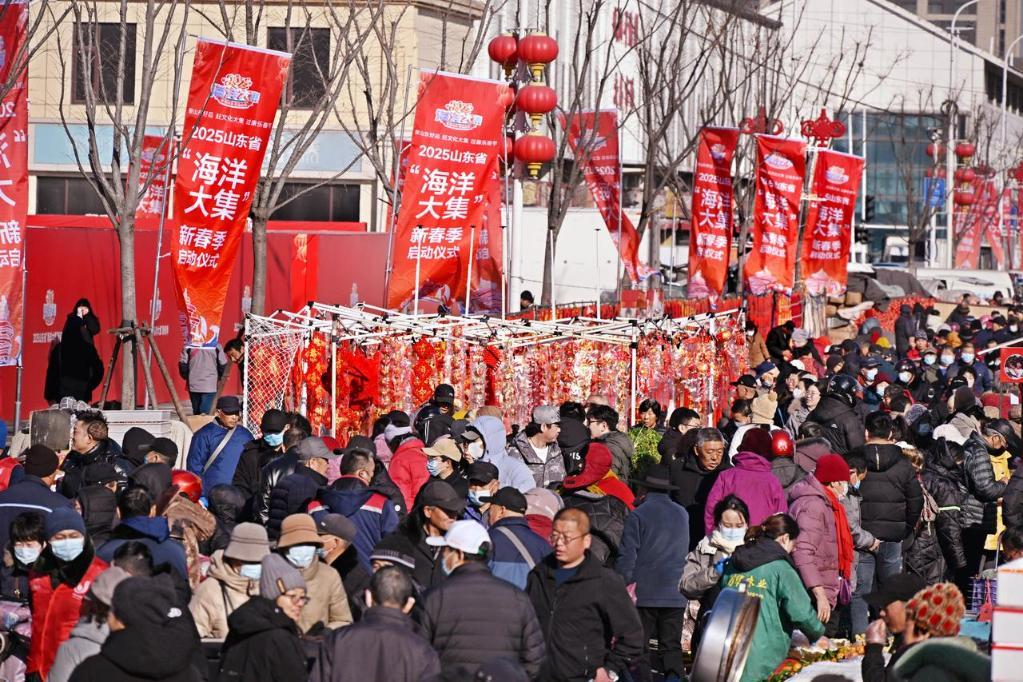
(232, 102)
(991, 202)
(966, 224)
(13, 182)
(593, 138)
(451, 191)
(157, 152)
(781, 168)
(828, 234)
(710, 231)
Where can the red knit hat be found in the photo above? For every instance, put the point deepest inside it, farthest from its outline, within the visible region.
(757, 441)
(831, 468)
(937, 609)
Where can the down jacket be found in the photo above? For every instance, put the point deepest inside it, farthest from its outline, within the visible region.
(892, 499)
(86, 639)
(841, 422)
(465, 633)
(218, 596)
(328, 602)
(1012, 501)
(511, 471)
(981, 486)
(816, 552)
(262, 646)
(938, 547)
(408, 469)
(752, 480)
(292, 496)
(545, 472)
(607, 521)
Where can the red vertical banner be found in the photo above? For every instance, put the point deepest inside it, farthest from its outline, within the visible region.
(232, 102)
(593, 138)
(828, 234)
(305, 266)
(710, 231)
(781, 168)
(13, 182)
(991, 202)
(965, 225)
(450, 186)
(157, 152)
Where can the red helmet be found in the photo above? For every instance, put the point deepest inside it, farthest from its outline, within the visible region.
(781, 443)
(188, 484)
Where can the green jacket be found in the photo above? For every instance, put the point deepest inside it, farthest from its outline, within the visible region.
(768, 574)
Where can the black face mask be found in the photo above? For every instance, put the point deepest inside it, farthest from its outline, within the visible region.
(995, 452)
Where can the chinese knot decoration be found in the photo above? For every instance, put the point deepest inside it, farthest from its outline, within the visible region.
(822, 129)
(761, 124)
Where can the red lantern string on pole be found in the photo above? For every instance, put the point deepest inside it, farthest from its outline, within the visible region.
(537, 50)
(503, 49)
(536, 100)
(534, 150)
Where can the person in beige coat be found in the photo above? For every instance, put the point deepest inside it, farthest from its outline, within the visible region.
(328, 603)
(233, 580)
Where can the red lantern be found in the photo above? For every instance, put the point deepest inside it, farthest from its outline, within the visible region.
(964, 197)
(984, 170)
(965, 175)
(503, 49)
(534, 150)
(935, 150)
(537, 50)
(536, 100)
(965, 150)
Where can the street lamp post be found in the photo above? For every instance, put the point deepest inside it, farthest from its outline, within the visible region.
(1005, 87)
(950, 140)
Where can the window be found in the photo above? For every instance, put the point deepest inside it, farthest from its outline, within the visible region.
(71, 195)
(338, 203)
(99, 45)
(310, 63)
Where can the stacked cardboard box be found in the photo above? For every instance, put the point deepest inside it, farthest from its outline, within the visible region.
(1007, 624)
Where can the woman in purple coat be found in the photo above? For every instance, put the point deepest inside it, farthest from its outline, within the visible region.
(750, 479)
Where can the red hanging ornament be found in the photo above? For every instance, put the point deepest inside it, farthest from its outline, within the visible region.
(534, 150)
(503, 49)
(537, 50)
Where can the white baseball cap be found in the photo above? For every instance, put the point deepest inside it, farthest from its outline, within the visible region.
(466, 536)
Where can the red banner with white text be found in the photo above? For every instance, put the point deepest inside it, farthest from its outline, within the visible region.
(232, 102)
(593, 137)
(992, 205)
(828, 234)
(781, 168)
(710, 231)
(451, 191)
(966, 224)
(13, 182)
(157, 152)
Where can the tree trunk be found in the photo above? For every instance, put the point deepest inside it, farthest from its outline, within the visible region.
(126, 239)
(549, 251)
(258, 264)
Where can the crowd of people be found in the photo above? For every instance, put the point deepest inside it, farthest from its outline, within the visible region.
(854, 489)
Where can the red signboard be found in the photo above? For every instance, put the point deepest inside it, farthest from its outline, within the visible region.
(1012, 366)
(593, 137)
(781, 168)
(451, 192)
(828, 233)
(710, 232)
(232, 102)
(13, 183)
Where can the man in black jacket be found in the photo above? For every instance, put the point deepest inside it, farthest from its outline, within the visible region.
(258, 453)
(274, 472)
(590, 625)
(836, 412)
(90, 444)
(890, 509)
(694, 475)
(294, 492)
(905, 326)
(459, 614)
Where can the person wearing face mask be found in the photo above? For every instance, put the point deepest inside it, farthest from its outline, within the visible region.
(258, 453)
(59, 581)
(294, 493)
(338, 535)
(805, 398)
(763, 563)
(869, 370)
(756, 345)
(328, 603)
(968, 359)
(863, 540)
(516, 547)
(701, 575)
(28, 539)
(354, 497)
(233, 580)
(444, 462)
(437, 507)
(490, 447)
(483, 484)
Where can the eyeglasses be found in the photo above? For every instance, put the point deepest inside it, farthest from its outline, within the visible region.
(299, 600)
(557, 537)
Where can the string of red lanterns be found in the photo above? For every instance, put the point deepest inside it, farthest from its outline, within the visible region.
(964, 176)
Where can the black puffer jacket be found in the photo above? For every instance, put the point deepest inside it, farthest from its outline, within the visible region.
(981, 486)
(1012, 500)
(694, 484)
(270, 476)
(607, 522)
(262, 645)
(292, 495)
(227, 504)
(146, 652)
(106, 452)
(465, 634)
(842, 424)
(255, 455)
(891, 494)
(944, 480)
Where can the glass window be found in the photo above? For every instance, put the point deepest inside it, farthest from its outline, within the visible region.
(95, 63)
(336, 203)
(310, 63)
(66, 195)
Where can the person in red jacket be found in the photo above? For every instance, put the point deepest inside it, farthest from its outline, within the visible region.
(58, 583)
(408, 465)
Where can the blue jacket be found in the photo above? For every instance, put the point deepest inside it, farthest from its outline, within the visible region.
(29, 495)
(204, 442)
(292, 496)
(984, 378)
(372, 513)
(154, 533)
(653, 551)
(510, 471)
(507, 562)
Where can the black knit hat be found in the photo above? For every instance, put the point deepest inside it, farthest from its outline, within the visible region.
(40, 461)
(573, 436)
(145, 601)
(394, 550)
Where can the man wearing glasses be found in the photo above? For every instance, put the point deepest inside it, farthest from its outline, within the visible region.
(592, 628)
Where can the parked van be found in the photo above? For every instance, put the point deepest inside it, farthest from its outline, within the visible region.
(952, 284)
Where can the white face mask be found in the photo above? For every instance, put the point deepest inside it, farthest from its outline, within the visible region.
(732, 534)
(905, 377)
(797, 393)
(871, 374)
(947, 360)
(930, 359)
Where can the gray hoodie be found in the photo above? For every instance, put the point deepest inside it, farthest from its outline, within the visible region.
(86, 639)
(511, 471)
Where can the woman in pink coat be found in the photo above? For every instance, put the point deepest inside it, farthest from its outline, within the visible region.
(750, 479)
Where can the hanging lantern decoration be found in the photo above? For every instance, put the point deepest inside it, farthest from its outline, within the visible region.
(964, 197)
(965, 150)
(537, 50)
(1017, 172)
(965, 175)
(536, 100)
(503, 49)
(935, 150)
(534, 150)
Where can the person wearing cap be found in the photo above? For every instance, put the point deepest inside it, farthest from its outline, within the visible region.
(652, 556)
(337, 533)
(136, 444)
(139, 523)
(33, 492)
(384, 644)
(444, 462)
(294, 492)
(537, 446)
(263, 642)
(824, 551)
(459, 614)
(92, 630)
(201, 368)
(602, 423)
(258, 453)
(90, 444)
(217, 447)
(444, 398)
(300, 543)
(483, 484)
(233, 579)
(889, 600)
(920, 343)
(516, 548)
(436, 508)
(511, 470)
(592, 628)
(59, 581)
(541, 506)
(745, 387)
(190, 522)
(603, 497)
(162, 451)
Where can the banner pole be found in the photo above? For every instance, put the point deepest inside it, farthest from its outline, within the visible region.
(506, 224)
(21, 351)
(156, 266)
(621, 202)
(468, 272)
(394, 190)
(554, 296)
(596, 282)
(419, 257)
